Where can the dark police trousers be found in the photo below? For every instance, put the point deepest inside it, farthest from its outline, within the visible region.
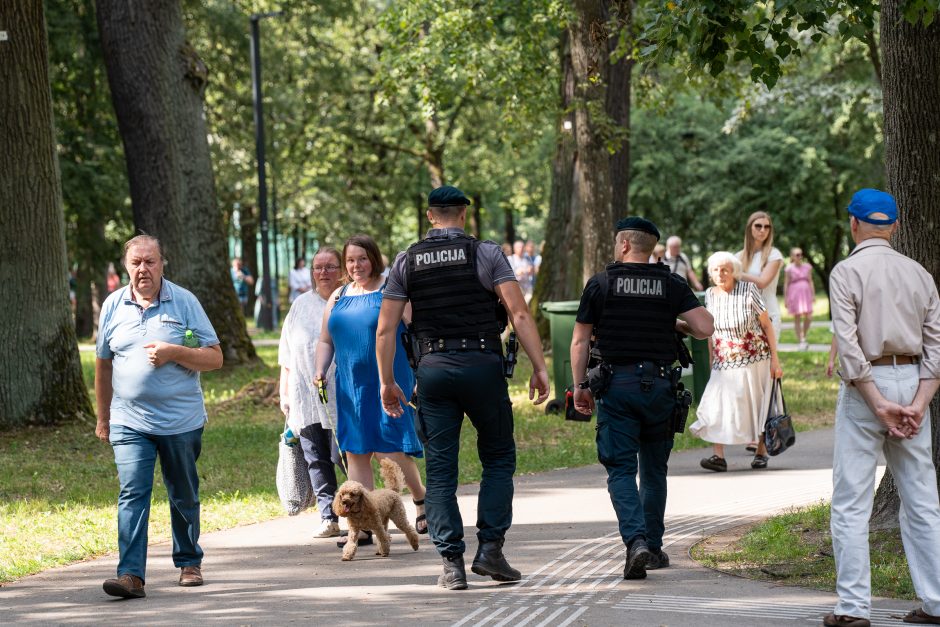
(632, 422)
(444, 395)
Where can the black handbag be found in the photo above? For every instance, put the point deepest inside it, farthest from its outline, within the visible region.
(779, 434)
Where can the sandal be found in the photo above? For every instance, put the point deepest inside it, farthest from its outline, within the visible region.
(921, 617)
(422, 518)
(760, 461)
(751, 448)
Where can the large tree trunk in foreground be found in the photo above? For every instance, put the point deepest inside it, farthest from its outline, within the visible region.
(40, 374)
(911, 76)
(157, 86)
(590, 58)
(559, 278)
(619, 75)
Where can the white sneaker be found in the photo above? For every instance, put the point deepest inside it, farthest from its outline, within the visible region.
(804, 346)
(327, 529)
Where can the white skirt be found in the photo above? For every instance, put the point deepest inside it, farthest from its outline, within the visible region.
(734, 406)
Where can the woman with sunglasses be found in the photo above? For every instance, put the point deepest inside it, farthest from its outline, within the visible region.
(762, 263)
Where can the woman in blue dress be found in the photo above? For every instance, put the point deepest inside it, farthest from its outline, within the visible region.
(363, 428)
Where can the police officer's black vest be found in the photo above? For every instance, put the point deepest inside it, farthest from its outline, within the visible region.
(447, 298)
(638, 322)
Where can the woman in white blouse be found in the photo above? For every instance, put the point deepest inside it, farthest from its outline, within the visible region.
(298, 280)
(762, 263)
(304, 412)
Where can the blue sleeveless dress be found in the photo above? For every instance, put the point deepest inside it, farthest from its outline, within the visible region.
(362, 426)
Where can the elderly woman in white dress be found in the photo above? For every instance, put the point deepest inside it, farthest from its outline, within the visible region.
(744, 363)
(305, 414)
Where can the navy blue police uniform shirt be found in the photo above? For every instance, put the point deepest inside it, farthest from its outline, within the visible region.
(681, 297)
(492, 269)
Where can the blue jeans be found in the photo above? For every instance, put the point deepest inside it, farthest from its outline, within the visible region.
(444, 396)
(634, 432)
(135, 454)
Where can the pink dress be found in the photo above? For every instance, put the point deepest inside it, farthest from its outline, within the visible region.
(799, 297)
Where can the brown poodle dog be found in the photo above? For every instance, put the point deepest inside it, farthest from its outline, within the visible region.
(371, 511)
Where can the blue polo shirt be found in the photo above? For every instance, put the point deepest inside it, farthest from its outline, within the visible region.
(159, 401)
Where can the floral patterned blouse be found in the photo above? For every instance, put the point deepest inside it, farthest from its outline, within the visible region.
(739, 339)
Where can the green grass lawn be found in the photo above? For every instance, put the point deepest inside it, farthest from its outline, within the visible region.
(58, 485)
(796, 548)
(816, 335)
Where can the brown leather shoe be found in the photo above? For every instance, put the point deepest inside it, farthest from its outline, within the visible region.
(841, 620)
(190, 576)
(125, 586)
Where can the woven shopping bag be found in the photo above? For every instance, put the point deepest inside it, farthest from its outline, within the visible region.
(292, 479)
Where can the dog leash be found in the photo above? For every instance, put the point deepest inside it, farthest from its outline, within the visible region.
(324, 399)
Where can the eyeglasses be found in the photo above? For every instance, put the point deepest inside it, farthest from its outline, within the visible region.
(797, 254)
(762, 227)
(325, 268)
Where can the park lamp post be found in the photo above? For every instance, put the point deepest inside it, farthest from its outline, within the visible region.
(266, 319)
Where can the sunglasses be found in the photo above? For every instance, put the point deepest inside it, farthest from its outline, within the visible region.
(762, 227)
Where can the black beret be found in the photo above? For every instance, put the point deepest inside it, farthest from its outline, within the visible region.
(447, 196)
(638, 224)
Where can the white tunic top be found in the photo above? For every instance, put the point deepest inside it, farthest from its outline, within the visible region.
(297, 352)
(769, 293)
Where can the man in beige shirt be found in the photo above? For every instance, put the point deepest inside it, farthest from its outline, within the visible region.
(886, 318)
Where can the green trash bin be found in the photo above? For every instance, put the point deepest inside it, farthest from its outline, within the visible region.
(700, 370)
(561, 318)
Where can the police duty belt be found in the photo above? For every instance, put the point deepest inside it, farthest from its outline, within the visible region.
(443, 345)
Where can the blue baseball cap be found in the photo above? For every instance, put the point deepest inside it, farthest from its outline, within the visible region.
(867, 201)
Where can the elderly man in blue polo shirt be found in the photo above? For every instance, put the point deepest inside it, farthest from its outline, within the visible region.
(153, 341)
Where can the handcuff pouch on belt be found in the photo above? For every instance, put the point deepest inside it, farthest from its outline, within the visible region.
(598, 379)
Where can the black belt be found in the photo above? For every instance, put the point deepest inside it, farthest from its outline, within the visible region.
(654, 368)
(443, 345)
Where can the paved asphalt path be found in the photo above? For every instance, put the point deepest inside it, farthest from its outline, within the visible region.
(563, 539)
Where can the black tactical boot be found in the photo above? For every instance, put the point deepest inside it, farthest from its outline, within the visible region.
(454, 576)
(658, 559)
(637, 556)
(490, 562)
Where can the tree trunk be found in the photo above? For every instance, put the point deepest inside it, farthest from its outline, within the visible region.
(911, 79)
(559, 278)
(157, 87)
(476, 217)
(509, 226)
(618, 107)
(590, 56)
(40, 375)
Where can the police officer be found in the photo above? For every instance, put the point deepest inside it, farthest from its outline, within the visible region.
(458, 288)
(630, 308)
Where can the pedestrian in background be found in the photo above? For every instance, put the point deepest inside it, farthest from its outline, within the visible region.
(364, 429)
(886, 317)
(632, 309)
(762, 262)
(799, 294)
(460, 291)
(153, 341)
(313, 421)
(298, 280)
(744, 364)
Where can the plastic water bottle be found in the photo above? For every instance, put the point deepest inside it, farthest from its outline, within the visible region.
(289, 438)
(189, 340)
